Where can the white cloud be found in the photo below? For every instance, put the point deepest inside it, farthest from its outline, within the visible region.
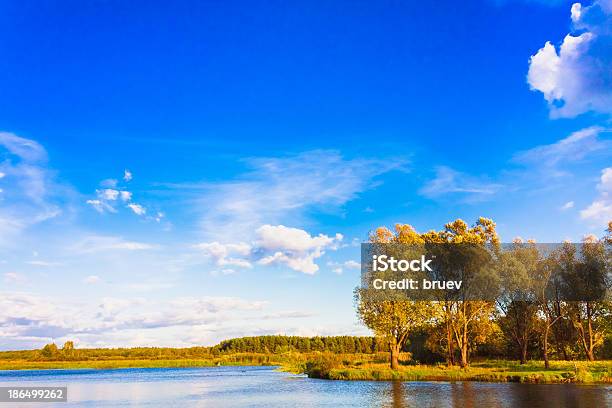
(226, 254)
(29, 320)
(352, 265)
(576, 11)
(600, 210)
(108, 194)
(339, 268)
(101, 206)
(273, 245)
(137, 209)
(449, 181)
(293, 247)
(127, 175)
(567, 206)
(92, 280)
(605, 183)
(303, 263)
(107, 199)
(272, 237)
(577, 78)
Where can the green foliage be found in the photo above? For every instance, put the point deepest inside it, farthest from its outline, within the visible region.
(283, 344)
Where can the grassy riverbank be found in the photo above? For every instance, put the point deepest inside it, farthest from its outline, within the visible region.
(239, 359)
(486, 371)
(325, 365)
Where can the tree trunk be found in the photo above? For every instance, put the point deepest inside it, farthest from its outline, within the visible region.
(450, 350)
(395, 350)
(464, 346)
(590, 355)
(546, 362)
(524, 352)
(464, 356)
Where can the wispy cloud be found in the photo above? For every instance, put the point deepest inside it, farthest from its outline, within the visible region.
(29, 193)
(137, 209)
(339, 267)
(551, 159)
(449, 181)
(600, 210)
(281, 190)
(99, 243)
(537, 168)
(43, 263)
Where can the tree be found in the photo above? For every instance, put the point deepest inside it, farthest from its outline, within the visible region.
(461, 316)
(393, 320)
(68, 349)
(548, 297)
(585, 285)
(517, 303)
(50, 351)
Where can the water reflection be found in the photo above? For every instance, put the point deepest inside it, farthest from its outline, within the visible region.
(264, 387)
(397, 394)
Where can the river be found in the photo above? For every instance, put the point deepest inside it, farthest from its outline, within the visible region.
(265, 387)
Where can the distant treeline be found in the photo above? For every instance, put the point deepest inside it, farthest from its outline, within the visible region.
(418, 346)
(280, 344)
(260, 344)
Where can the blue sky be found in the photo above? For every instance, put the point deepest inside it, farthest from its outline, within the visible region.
(176, 175)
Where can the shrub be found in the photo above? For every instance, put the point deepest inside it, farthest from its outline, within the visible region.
(321, 366)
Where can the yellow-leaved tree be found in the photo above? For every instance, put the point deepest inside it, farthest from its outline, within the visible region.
(394, 320)
(464, 321)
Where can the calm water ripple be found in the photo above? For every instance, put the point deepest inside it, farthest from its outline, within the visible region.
(264, 387)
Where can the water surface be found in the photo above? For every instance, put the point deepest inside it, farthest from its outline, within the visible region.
(265, 387)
